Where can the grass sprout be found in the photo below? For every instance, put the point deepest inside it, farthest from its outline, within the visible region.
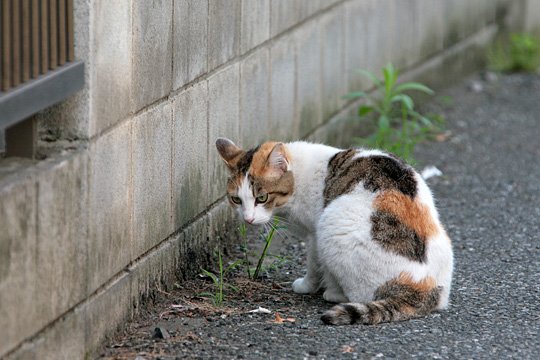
(218, 280)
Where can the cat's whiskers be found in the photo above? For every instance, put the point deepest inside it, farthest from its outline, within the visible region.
(279, 230)
(282, 220)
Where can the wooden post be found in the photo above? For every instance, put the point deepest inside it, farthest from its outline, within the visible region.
(16, 42)
(70, 30)
(44, 10)
(6, 45)
(35, 39)
(62, 36)
(21, 139)
(53, 33)
(26, 41)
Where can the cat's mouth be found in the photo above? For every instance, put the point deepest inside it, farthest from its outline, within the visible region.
(255, 222)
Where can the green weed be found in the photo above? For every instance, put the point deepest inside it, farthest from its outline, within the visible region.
(267, 235)
(243, 234)
(276, 264)
(517, 52)
(218, 280)
(267, 241)
(398, 126)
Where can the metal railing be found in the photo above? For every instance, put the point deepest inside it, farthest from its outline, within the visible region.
(37, 67)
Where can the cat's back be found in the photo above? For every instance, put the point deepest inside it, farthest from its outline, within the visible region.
(376, 172)
(379, 194)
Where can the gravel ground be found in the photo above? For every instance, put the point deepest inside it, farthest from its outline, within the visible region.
(489, 199)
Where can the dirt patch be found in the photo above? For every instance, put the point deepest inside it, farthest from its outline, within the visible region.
(190, 319)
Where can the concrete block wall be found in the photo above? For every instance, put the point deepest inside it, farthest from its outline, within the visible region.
(532, 17)
(134, 196)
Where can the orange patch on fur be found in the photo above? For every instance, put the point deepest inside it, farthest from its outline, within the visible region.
(258, 164)
(412, 213)
(423, 286)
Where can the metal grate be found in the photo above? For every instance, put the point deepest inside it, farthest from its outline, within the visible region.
(36, 37)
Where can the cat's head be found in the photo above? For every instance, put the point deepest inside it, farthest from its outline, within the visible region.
(260, 179)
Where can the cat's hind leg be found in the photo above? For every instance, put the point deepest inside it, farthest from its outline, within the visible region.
(312, 281)
(334, 292)
(396, 300)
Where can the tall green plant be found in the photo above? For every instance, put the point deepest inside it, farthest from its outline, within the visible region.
(398, 126)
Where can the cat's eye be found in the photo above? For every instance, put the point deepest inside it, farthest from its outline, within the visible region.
(262, 198)
(236, 199)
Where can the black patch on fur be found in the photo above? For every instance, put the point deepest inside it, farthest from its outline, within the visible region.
(394, 236)
(376, 172)
(327, 318)
(354, 315)
(244, 163)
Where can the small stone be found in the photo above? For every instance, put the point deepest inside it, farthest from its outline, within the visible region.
(490, 76)
(161, 333)
(476, 86)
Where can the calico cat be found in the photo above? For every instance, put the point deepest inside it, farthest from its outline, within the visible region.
(376, 244)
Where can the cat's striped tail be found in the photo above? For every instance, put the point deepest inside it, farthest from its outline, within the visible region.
(398, 299)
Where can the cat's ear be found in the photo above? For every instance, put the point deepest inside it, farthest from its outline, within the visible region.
(277, 163)
(229, 151)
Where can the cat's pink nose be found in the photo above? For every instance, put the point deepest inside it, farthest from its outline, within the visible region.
(249, 220)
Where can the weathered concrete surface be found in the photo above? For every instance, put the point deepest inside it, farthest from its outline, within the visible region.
(360, 36)
(190, 51)
(283, 14)
(65, 340)
(333, 76)
(255, 24)
(152, 51)
(223, 31)
(109, 206)
(223, 120)
(308, 81)
(190, 161)
(43, 253)
(151, 178)
(18, 242)
(532, 14)
(61, 254)
(112, 71)
(282, 88)
(254, 94)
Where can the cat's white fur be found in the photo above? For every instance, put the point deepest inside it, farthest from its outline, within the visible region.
(342, 246)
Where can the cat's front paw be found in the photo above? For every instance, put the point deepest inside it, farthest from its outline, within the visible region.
(302, 286)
